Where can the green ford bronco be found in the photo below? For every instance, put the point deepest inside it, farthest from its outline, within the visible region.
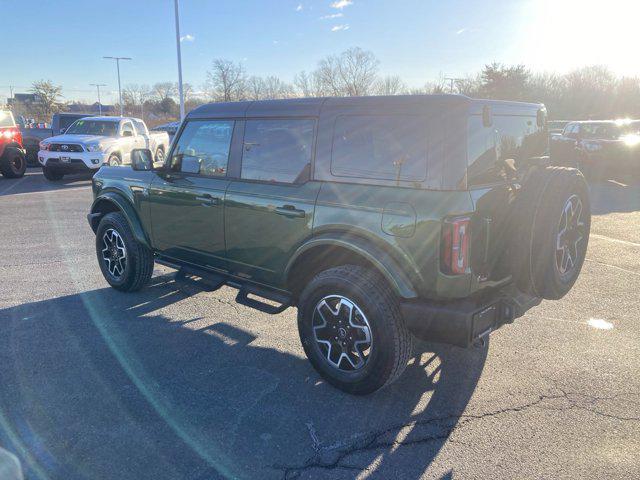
(379, 218)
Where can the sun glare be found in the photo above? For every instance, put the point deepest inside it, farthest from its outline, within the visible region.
(561, 35)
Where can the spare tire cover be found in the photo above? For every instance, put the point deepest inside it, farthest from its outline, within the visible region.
(551, 219)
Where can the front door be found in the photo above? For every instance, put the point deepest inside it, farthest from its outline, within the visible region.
(269, 210)
(187, 199)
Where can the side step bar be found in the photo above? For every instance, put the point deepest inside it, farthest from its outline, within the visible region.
(243, 299)
(211, 281)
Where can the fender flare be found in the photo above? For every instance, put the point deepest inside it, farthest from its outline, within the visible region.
(382, 261)
(126, 208)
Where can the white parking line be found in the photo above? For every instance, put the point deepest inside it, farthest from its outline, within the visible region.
(57, 190)
(616, 240)
(11, 187)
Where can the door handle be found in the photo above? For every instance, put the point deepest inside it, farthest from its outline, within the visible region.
(208, 200)
(290, 211)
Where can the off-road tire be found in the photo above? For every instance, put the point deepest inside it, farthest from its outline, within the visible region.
(391, 341)
(139, 265)
(536, 224)
(52, 174)
(13, 164)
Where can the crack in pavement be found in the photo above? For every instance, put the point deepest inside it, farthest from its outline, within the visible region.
(333, 457)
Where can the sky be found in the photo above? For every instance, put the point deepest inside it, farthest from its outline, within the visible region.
(420, 40)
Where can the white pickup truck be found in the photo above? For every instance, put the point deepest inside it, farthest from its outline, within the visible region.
(92, 142)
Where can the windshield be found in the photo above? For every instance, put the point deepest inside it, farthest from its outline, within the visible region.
(93, 127)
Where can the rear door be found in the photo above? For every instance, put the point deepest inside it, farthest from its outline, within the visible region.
(187, 199)
(269, 209)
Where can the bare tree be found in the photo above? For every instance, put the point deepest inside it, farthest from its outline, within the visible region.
(48, 96)
(276, 88)
(164, 90)
(358, 70)
(352, 73)
(255, 88)
(389, 85)
(226, 80)
(187, 91)
(309, 84)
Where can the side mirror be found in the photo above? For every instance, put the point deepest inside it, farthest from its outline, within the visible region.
(141, 159)
(127, 133)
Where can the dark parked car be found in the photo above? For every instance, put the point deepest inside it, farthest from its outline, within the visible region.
(171, 128)
(600, 147)
(378, 217)
(556, 126)
(33, 136)
(12, 155)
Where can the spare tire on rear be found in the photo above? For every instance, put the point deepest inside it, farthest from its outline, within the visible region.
(551, 221)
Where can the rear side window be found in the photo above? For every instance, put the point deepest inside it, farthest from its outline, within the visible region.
(277, 150)
(382, 147)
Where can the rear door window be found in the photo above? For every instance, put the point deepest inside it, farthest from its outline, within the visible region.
(382, 147)
(277, 150)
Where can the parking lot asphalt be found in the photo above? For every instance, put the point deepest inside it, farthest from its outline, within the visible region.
(174, 383)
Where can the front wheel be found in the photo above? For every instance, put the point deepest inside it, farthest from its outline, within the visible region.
(352, 330)
(114, 161)
(13, 165)
(52, 174)
(125, 263)
(159, 155)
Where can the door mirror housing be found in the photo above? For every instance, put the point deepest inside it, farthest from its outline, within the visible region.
(127, 133)
(141, 159)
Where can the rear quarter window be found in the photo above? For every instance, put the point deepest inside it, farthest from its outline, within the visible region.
(380, 147)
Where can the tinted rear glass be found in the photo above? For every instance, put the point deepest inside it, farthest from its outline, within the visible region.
(65, 121)
(277, 150)
(384, 147)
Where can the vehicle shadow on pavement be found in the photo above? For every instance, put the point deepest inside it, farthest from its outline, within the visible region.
(611, 196)
(34, 182)
(101, 385)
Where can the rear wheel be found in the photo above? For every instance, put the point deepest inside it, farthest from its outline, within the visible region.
(125, 263)
(553, 221)
(352, 330)
(13, 164)
(51, 173)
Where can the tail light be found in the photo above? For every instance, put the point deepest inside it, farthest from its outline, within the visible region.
(10, 134)
(454, 248)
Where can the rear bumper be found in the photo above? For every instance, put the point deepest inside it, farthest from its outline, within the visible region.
(464, 322)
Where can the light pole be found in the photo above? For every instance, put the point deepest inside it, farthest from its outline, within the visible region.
(180, 91)
(98, 85)
(117, 59)
(451, 82)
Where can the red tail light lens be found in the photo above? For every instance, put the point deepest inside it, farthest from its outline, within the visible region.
(456, 232)
(10, 134)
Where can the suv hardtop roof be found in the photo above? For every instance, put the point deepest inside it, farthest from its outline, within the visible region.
(314, 106)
